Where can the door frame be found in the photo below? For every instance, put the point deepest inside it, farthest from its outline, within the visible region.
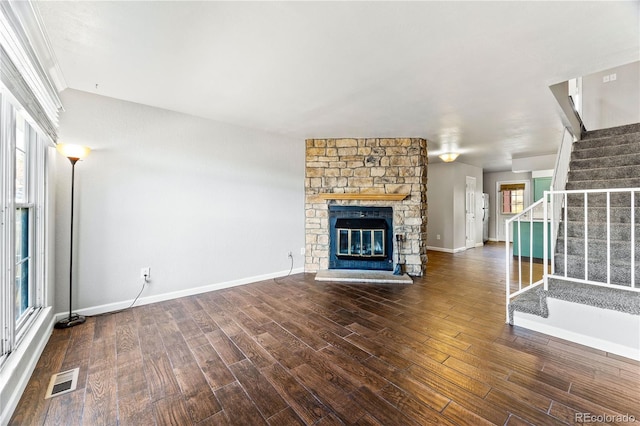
(470, 226)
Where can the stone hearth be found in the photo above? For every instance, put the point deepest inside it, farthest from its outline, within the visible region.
(389, 172)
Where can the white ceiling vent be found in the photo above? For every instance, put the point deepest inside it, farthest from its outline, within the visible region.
(62, 383)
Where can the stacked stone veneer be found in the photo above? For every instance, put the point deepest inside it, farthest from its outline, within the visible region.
(367, 166)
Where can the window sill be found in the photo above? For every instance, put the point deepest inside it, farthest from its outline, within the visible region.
(19, 365)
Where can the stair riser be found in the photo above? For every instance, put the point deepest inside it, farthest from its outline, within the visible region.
(614, 161)
(618, 215)
(620, 130)
(593, 143)
(620, 172)
(604, 184)
(605, 151)
(617, 199)
(598, 231)
(597, 271)
(620, 251)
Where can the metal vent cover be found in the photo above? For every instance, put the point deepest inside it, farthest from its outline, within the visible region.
(63, 382)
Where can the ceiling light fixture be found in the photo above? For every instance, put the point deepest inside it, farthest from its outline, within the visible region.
(448, 157)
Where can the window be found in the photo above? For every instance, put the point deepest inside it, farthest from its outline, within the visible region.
(512, 198)
(22, 185)
(25, 298)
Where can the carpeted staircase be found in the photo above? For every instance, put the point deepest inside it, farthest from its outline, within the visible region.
(608, 158)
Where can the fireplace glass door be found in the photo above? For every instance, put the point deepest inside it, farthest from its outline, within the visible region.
(361, 242)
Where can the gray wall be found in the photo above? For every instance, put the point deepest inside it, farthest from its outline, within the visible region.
(446, 197)
(614, 103)
(199, 202)
(440, 211)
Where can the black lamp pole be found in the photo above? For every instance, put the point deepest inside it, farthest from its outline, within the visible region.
(73, 319)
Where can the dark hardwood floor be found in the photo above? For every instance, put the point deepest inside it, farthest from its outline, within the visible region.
(301, 352)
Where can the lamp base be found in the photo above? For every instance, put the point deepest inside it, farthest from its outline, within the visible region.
(72, 320)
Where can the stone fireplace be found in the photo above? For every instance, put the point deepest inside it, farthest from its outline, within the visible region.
(386, 175)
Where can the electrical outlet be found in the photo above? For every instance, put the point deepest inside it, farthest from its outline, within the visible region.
(145, 272)
(302, 251)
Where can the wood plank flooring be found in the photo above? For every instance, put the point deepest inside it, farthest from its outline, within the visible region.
(296, 352)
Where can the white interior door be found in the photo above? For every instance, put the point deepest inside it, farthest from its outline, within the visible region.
(470, 212)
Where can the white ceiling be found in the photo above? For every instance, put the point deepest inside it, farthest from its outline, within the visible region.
(468, 76)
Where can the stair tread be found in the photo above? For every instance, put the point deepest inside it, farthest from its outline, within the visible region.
(605, 173)
(612, 142)
(623, 183)
(601, 297)
(598, 240)
(599, 167)
(576, 259)
(598, 200)
(611, 131)
(534, 301)
(631, 179)
(591, 223)
(594, 153)
(605, 161)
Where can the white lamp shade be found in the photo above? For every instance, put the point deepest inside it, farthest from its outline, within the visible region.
(448, 157)
(73, 151)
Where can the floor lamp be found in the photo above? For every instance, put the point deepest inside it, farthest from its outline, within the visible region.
(73, 153)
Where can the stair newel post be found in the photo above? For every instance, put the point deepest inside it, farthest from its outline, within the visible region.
(565, 225)
(507, 267)
(555, 228)
(608, 237)
(545, 241)
(586, 238)
(530, 247)
(633, 239)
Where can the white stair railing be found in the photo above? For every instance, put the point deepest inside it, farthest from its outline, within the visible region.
(552, 217)
(562, 197)
(527, 216)
(559, 179)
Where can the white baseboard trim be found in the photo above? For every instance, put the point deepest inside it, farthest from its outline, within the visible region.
(593, 342)
(603, 329)
(479, 245)
(15, 374)
(110, 307)
(447, 250)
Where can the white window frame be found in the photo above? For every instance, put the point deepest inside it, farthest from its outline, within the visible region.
(523, 197)
(497, 207)
(13, 330)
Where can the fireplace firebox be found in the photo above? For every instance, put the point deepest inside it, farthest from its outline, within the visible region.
(361, 238)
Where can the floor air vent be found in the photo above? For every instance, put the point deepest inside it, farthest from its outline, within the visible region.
(62, 383)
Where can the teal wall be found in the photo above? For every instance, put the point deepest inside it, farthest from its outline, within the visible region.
(538, 244)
